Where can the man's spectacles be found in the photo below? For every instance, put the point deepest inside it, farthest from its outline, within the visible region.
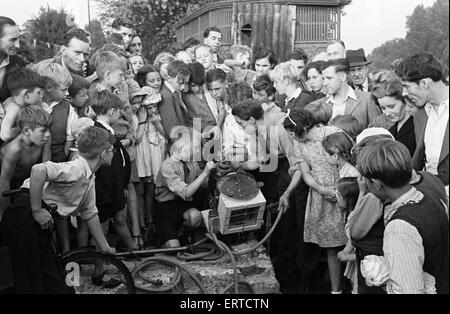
(112, 150)
(136, 44)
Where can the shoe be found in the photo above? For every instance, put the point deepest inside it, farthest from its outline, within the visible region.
(109, 284)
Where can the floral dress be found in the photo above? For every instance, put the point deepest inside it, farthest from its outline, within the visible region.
(151, 151)
(324, 221)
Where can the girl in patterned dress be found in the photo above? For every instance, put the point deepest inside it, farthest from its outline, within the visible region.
(151, 151)
(324, 221)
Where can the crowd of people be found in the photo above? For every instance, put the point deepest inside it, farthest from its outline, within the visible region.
(356, 158)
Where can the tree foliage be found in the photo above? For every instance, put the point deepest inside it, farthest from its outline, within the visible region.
(153, 20)
(97, 35)
(47, 28)
(427, 30)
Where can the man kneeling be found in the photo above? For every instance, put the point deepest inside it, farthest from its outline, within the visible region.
(179, 179)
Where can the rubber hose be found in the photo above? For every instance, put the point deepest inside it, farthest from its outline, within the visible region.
(159, 287)
(211, 253)
(263, 240)
(171, 262)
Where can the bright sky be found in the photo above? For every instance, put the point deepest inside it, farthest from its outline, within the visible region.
(367, 23)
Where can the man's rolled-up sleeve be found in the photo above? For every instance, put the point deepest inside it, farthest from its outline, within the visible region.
(88, 209)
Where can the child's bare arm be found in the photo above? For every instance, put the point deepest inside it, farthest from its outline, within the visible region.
(158, 125)
(311, 182)
(349, 248)
(142, 121)
(67, 146)
(10, 158)
(47, 150)
(96, 231)
(8, 131)
(38, 178)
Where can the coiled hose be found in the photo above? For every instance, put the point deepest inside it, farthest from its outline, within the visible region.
(209, 252)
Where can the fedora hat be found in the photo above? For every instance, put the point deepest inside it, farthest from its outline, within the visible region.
(357, 58)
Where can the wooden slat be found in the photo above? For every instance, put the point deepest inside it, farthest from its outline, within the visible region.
(269, 26)
(254, 23)
(262, 26)
(276, 29)
(234, 22)
(284, 46)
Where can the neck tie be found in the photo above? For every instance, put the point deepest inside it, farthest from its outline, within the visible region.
(359, 87)
(186, 171)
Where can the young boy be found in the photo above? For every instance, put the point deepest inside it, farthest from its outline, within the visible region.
(110, 69)
(57, 82)
(19, 155)
(242, 54)
(71, 186)
(217, 83)
(78, 92)
(415, 240)
(179, 179)
(172, 109)
(26, 89)
(111, 182)
(264, 91)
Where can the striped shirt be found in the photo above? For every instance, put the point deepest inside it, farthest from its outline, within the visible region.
(403, 250)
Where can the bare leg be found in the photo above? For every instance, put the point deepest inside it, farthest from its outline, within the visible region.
(120, 225)
(150, 202)
(133, 214)
(140, 190)
(334, 267)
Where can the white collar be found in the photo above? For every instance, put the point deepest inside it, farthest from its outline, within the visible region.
(297, 93)
(351, 94)
(442, 106)
(5, 62)
(365, 85)
(169, 86)
(48, 107)
(413, 195)
(107, 126)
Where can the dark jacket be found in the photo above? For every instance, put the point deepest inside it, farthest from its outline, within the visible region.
(405, 135)
(172, 110)
(300, 102)
(58, 131)
(14, 63)
(112, 181)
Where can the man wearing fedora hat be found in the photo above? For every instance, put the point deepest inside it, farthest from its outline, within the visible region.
(358, 77)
